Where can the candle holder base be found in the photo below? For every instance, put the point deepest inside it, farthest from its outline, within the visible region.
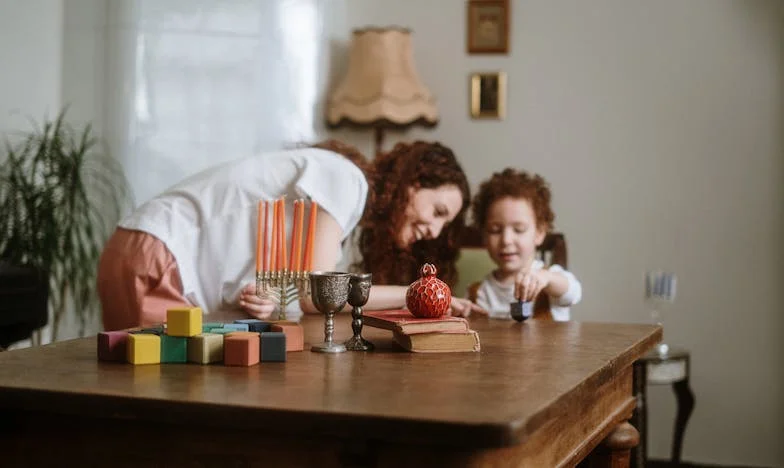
(326, 347)
(357, 343)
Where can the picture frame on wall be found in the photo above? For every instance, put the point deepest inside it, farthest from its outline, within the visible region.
(488, 26)
(488, 95)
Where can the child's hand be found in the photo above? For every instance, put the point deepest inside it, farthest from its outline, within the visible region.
(528, 284)
(463, 307)
(255, 306)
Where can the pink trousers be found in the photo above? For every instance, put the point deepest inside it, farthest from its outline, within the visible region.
(138, 281)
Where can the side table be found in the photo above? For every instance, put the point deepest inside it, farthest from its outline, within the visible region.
(672, 368)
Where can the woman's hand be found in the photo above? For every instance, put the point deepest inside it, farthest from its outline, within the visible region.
(528, 284)
(463, 307)
(255, 306)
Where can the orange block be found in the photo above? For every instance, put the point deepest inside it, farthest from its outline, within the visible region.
(241, 349)
(295, 335)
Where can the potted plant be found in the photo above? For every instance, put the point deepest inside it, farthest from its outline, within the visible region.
(61, 194)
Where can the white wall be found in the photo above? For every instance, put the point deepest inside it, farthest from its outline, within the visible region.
(661, 128)
(30, 43)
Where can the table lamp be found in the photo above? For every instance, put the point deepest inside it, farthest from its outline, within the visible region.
(381, 89)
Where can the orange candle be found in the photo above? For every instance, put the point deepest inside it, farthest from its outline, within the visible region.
(282, 234)
(274, 238)
(300, 227)
(259, 235)
(294, 226)
(264, 243)
(310, 239)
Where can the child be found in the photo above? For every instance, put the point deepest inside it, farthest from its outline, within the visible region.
(512, 210)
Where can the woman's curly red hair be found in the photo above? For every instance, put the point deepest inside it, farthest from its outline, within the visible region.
(514, 184)
(420, 165)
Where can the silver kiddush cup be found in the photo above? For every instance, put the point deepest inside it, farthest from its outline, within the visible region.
(358, 293)
(329, 292)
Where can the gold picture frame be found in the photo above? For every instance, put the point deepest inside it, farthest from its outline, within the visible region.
(488, 95)
(488, 26)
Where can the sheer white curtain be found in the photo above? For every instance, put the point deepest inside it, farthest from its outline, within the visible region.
(194, 83)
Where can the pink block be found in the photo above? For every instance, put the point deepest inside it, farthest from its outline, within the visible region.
(113, 346)
(295, 334)
(241, 349)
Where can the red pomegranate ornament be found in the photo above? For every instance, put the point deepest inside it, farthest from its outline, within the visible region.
(428, 297)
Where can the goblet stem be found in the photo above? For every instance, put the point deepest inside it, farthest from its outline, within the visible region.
(356, 342)
(356, 323)
(329, 328)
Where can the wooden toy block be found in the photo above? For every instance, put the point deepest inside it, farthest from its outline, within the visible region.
(144, 348)
(183, 321)
(241, 349)
(237, 326)
(273, 347)
(207, 326)
(113, 346)
(174, 348)
(295, 335)
(221, 331)
(150, 330)
(205, 348)
(255, 325)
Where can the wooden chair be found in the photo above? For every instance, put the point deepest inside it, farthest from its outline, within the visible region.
(551, 252)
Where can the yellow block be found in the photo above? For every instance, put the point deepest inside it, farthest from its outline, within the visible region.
(144, 348)
(183, 321)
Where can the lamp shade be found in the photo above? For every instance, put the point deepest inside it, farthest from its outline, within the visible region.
(381, 87)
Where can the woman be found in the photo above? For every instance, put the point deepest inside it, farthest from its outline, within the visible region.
(416, 190)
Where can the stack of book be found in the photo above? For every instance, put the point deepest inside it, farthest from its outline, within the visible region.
(425, 335)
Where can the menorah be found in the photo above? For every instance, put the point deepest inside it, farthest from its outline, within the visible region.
(278, 277)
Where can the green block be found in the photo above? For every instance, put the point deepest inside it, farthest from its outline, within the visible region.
(207, 326)
(222, 331)
(174, 348)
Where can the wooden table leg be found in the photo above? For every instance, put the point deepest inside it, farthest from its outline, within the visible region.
(615, 449)
(640, 415)
(685, 398)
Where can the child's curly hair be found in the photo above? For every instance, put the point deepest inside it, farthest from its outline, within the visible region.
(514, 184)
(420, 165)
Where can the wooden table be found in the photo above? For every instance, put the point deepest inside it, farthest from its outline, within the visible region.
(538, 394)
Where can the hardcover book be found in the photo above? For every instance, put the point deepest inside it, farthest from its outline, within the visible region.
(439, 342)
(403, 321)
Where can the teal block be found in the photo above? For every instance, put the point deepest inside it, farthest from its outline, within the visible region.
(222, 331)
(237, 326)
(174, 348)
(207, 326)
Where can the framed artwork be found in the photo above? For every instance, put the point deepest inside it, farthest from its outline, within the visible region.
(488, 26)
(488, 95)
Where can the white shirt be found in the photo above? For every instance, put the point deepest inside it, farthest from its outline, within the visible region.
(208, 221)
(495, 297)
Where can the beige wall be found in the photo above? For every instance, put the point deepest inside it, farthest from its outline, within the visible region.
(660, 125)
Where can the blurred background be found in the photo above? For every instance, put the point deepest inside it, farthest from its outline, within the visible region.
(659, 124)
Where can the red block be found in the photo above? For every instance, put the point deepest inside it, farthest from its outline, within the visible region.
(295, 334)
(113, 346)
(241, 349)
